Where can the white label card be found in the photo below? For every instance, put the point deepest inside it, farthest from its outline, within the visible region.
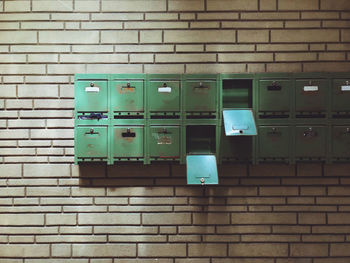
(164, 89)
(310, 88)
(345, 88)
(92, 89)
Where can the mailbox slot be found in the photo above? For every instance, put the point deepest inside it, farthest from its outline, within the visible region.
(91, 96)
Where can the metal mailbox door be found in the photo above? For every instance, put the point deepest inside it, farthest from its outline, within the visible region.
(91, 96)
(274, 142)
(310, 141)
(164, 141)
(274, 95)
(91, 142)
(164, 96)
(341, 95)
(341, 141)
(200, 95)
(311, 95)
(127, 95)
(128, 141)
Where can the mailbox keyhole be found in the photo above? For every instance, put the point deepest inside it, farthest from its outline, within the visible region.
(92, 84)
(128, 134)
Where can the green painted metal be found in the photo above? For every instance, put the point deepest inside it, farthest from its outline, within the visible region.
(341, 95)
(128, 141)
(239, 122)
(341, 142)
(91, 96)
(127, 95)
(200, 95)
(164, 142)
(201, 169)
(274, 142)
(310, 142)
(164, 96)
(91, 142)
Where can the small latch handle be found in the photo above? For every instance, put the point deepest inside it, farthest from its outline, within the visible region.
(92, 84)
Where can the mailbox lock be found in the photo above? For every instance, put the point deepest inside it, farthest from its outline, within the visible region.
(310, 133)
(348, 130)
(347, 82)
(92, 84)
(91, 131)
(200, 84)
(164, 84)
(128, 84)
(164, 130)
(202, 181)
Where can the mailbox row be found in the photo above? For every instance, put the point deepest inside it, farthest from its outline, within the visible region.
(305, 97)
(274, 143)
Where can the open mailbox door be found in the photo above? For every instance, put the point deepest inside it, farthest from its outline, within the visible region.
(239, 122)
(202, 169)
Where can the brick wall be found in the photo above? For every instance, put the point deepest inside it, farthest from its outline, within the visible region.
(52, 211)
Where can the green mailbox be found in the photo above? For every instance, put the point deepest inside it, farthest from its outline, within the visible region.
(237, 148)
(164, 96)
(91, 96)
(127, 95)
(201, 169)
(274, 142)
(274, 95)
(341, 95)
(164, 142)
(341, 141)
(310, 141)
(91, 142)
(128, 142)
(311, 95)
(200, 95)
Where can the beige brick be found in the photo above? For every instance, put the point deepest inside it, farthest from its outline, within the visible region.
(199, 36)
(26, 159)
(263, 218)
(335, 5)
(312, 190)
(278, 191)
(158, 201)
(144, 48)
(53, 104)
(12, 58)
(130, 36)
(166, 218)
(331, 56)
(137, 5)
(345, 35)
(246, 36)
(298, 5)
(56, 260)
(40, 49)
(23, 17)
(13, 191)
(345, 15)
(35, 182)
(155, 25)
(184, 5)
(312, 218)
(18, 37)
(22, 69)
(284, 67)
(46, 170)
(101, 25)
(248, 57)
(44, 91)
(336, 24)
(94, 58)
(189, 48)
(9, 25)
(59, 123)
(48, 191)
(232, 48)
(72, 37)
(162, 250)
(295, 57)
(211, 218)
(339, 250)
(25, 251)
(17, 151)
(337, 170)
(42, 58)
(46, 114)
(92, 49)
(28, 230)
(338, 218)
(227, 5)
(271, 238)
(17, 6)
(161, 16)
(87, 5)
(117, 16)
(62, 5)
(14, 134)
(187, 16)
(165, 68)
(151, 36)
(52, 134)
(42, 25)
(269, 15)
(215, 68)
(214, 16)
(221, 238)
(72, 25)
(173, 58)
(84, 191)
(15, 220)
(326, 67)
(8, 91)
(13, 79)
(267, 5)
(204, 25)
(258, 250)
(66, 69)
(207, 250)
(61, 219)
(108, 219)
(9, 114)
(61, 250)
(47, 79)
(319, 15)
(323, 238)
(306, 35)
(252, 24)
(21, 239)
(137, 238)
(104, 250)
(303, 24)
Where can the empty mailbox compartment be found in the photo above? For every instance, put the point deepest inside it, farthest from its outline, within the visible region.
(273, 143)
(341, 142)
(164, 142)
(128, 142)
(274, 98)
(310, 142)
(127, 96)
(91, 142)
(164, 96)
(341, 98)
(91, 96)
(200, 97)
(200, 139)
(237, 93)
(311, 97)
